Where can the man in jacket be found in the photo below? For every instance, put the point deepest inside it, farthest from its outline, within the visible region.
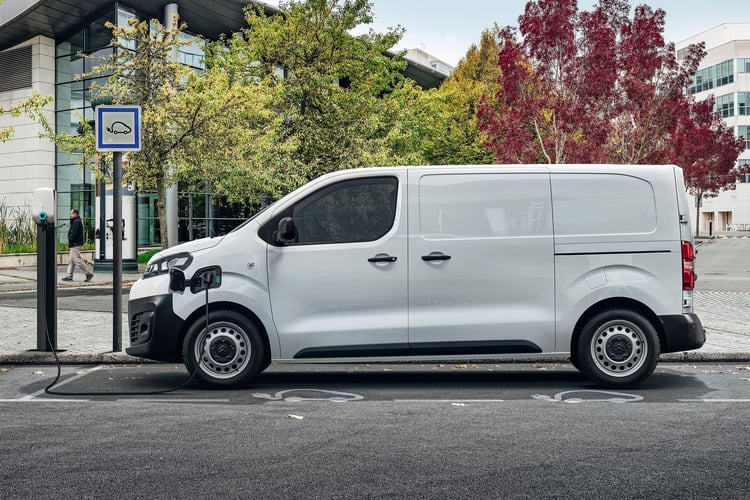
(75, 240)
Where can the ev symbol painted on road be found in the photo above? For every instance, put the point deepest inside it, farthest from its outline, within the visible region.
(337, 397)
(562, 397)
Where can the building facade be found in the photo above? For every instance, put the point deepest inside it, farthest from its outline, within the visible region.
(725, 74)
(40, 46)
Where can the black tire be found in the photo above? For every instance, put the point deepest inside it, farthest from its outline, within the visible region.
(230, 355)
(618, 348)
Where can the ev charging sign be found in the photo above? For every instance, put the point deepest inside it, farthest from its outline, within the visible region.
(118, 128)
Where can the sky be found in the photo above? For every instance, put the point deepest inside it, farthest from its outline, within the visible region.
(447, 28)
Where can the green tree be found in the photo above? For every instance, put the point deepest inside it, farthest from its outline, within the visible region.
(439, 126)
(322, 87)
(178, 104)
(457, 139)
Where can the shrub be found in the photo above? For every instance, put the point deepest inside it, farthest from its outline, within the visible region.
(17, 230)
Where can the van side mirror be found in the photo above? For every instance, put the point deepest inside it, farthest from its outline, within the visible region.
(286, 232)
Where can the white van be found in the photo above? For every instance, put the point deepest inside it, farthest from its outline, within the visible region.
(435, 263)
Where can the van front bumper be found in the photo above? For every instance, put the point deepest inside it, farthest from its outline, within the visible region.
(154, 329)
(682, 332)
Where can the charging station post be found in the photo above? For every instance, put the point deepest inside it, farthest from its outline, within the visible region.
(43, 211)
(117, 129)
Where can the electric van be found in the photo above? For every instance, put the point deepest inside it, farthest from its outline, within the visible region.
(435, 263)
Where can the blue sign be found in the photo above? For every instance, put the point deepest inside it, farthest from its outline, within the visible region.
(118, 128)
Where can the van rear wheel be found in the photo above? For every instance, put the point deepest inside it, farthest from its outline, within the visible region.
(228, 354)
(618, 348)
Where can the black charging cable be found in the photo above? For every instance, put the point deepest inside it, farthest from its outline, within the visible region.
(49, 390)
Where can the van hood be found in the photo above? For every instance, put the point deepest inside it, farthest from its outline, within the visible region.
(191, 246)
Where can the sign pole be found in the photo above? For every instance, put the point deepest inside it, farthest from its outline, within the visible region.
(117, 254)
(118, 129)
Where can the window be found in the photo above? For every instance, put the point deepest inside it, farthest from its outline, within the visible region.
(724, 105)
(458, 206)
(346, 212)
(743, 103)
(743, 131)
(744, 178)
(192, 53)
(711, 77)
(743, 65)
(603, 204)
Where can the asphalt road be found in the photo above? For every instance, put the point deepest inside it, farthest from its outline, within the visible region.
(722, 264)
(377, 431)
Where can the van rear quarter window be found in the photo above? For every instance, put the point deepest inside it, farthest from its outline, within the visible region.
(484, 205)
(602, 204)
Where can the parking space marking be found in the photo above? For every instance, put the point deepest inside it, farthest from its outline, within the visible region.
(562, 397)
(448, 400)
(30, 397)
(170, 400)
(337, 396)
(704, 400)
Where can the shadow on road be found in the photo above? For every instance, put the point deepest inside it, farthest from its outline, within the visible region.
(424, 383)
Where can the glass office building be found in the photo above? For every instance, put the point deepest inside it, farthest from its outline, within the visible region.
(725, 74)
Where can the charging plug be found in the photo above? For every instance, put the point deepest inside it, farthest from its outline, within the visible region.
(205, 278)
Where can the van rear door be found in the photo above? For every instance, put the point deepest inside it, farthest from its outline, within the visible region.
(481, 263)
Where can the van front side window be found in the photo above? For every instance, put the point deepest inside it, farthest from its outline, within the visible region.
(347, 212)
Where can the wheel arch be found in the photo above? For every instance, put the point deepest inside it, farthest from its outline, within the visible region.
(224, 306)
(617, 303)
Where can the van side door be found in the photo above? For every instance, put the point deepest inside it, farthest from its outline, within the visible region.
(338, 289)
(481, 262)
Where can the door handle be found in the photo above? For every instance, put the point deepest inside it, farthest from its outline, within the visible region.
(433, 257)
(382, 258)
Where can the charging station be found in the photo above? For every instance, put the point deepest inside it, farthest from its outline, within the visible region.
(105, 225)
(43, 207)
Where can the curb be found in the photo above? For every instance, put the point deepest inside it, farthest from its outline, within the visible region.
(66, 358)
(71, 358)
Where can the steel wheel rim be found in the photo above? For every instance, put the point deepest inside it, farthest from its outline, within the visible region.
(619, 348)
(224, 351)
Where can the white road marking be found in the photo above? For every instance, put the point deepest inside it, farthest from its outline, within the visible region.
(701, 400)
(170, 400)
(33, 395)
(338, 397)
(43, 400)
(621, 397)
(448, 400)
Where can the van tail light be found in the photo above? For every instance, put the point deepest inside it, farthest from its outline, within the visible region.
(688, 266)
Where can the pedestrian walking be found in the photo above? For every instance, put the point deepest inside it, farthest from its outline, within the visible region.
(75, 240)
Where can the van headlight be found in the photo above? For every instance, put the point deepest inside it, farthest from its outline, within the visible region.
(162, 265)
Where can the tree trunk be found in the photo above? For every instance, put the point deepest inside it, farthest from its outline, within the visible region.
(160, 206)
(698, 198)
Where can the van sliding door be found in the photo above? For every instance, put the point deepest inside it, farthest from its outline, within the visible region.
(481, 262)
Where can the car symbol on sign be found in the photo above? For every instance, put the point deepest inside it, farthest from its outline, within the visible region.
(119, 128)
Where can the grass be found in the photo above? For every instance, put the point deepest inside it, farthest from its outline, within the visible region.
(145, 256)
(18, 232)
(17, 229)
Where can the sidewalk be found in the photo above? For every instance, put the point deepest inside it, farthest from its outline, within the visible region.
(86, 336)
(82, 336)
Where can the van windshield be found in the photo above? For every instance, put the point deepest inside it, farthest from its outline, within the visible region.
(253, 217)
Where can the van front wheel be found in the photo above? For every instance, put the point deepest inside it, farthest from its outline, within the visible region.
(618, 348)
(227, 354)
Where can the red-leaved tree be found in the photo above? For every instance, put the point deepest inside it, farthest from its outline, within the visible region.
(600, 86)
(707, 151)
